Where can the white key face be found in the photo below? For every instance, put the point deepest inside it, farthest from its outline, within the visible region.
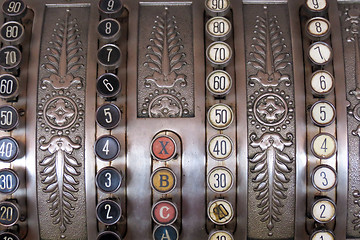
(220, 147)
(219, 54)
(322, 82)
(320, 53)
(322, 235)
(218, 28)
(324, 178)
(217, 5)
(316, 5)
(220, 179)
(323, 146)
(221, 235)
(318, 27)
(322, 113)
(323, 211)
(219, 82)
(220, 116)
(220, 212)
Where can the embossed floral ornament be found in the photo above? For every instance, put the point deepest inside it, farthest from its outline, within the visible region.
(270, 109)
(58, 175)
(60, 113)
(165, 106)
(270, 167)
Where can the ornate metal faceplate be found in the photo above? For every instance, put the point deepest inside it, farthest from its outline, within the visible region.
(165, 61)
(271, 125)
(350, 20)
(60, 124)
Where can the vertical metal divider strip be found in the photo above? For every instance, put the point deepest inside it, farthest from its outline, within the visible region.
(300, 110)
(241, 116)
(341, 121)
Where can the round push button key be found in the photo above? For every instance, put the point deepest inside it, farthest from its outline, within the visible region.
(108, 212)
(217, 7)
(8, 236)
(164, 212)
(324, 178)
(323, 146)
(9, 214)
(219, 83)
(220, 179)
(218, 28)
(108, 179)
(9, 149)
(108, 116)
(109, 56)
(14, 9)
(220, 116)
(219, 54)
(220, 235)
(9, 86)
(163, 180)
(323, 210)
(108, 235)
(9, 118)
(109, 30)
(220, 212)
(108, 85)
(163, 148)
(10, 58)
(9, 181)
(165, 232)
(12, 33)
(318, 28)
(317, 7)
(320, 53)
(107, 148)
(112, 8)
(220, 147)
(322, 113)
(322, 83)
(322, 235)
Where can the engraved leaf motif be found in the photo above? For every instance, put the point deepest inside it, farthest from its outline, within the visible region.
(270, 166)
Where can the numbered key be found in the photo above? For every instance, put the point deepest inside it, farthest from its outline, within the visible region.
(9, 149)
(10, 58)
(163, 148)
(322, 235)
(9, 181)
(320, 53)
(14, 9)
(322, 113)
(220, 116)
(109, 56)
(220, 235)
(9, 86)
(108, 179)
(163, 180)
(9, 214)
(108, 235)
(164, 212)
(324, 178)
(318, 28)
(108, 212)
(323, 210)
(322, 83)
(165, 232)
(109, 30)
(218, 28)
(108, 85)
(220, 147)
(219, 54)
(220, 212)
(316, 7)
(107, 148)
(323, 146)
(219, 83)
(111, 8)
(8, 236)
(220, 179)
(12, 33)
(108, 116)
(217, 7)
(9, 118)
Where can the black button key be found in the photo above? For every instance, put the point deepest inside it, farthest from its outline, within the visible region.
(14, 9)
(108, 116)
(9, 149)
(109, 30)
(12, 33)
(108, 179)
(9, 86)
(9, 214)
(8, 236)
(112, 8)
(107, 148)
(9, 181)
(9, 118)
(108, 212)
(109, 56)
(108, 85)
(107, 235)
(10, 58)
